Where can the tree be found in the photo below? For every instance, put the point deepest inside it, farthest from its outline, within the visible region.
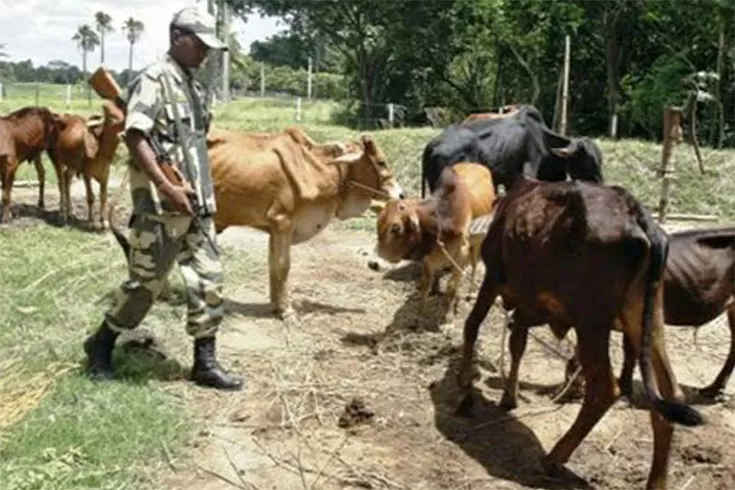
(86, 39)
(134, 29)
(3, 54)
(104, 25)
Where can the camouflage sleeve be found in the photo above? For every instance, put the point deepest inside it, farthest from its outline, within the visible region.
(144, 105)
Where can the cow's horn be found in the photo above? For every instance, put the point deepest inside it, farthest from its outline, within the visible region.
(563, 152)
(377, 206)
(349, 158)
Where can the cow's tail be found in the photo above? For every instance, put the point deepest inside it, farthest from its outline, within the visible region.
(423, 179)
(672, 410)
(120, 237)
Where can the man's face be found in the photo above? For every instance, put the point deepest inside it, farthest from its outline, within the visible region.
(192, 51)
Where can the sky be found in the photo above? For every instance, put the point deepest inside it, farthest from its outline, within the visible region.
(41, 30)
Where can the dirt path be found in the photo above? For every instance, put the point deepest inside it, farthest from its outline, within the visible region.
(361, 337)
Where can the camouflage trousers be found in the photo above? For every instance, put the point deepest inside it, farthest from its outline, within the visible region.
(157, 241)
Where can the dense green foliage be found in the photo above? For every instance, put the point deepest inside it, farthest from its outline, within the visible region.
(628, 57)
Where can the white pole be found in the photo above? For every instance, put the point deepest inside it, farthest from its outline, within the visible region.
(1, 91)
(390, 114)
(298, 108)
(68, 95)
(225, 54)
(308, 81)
(565, 87)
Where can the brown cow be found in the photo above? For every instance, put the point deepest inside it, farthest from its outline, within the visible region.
(24, 135)
(87, 147)
(539, 252)
(296, 134)
(507, 110)
(292, 195)
(436, 230)
(247, 142)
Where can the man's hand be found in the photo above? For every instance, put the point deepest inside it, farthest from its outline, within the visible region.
(179, 196)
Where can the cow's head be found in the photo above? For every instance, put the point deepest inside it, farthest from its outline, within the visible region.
(369, 177)
(399, 229)
(583, 160)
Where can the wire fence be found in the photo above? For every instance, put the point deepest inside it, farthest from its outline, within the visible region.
(633, 164)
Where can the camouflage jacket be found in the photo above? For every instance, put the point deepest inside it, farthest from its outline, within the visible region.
(150, 110)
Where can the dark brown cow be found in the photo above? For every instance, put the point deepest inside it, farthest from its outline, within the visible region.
(437, 230)
(24, 135)
(587, 256)
(698, 287)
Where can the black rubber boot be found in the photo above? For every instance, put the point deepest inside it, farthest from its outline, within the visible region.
(206, 370)
(99, 353)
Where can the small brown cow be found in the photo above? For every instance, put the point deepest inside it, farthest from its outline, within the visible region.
(436, 230)
(591, 257)
(87, 147)
(290, 193)
(24, 135)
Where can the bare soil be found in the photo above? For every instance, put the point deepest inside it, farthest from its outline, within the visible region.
(362, 393)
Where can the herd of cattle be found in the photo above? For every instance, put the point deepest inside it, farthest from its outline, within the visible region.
(559, 246)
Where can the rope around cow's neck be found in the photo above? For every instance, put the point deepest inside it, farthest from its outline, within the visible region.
(368, 188)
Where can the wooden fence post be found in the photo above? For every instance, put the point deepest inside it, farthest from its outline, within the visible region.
(672, 137)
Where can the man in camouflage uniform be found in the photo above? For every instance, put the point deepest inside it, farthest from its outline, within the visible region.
(165, 110)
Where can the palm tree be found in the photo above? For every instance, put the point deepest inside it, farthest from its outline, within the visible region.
(134, 29)
(104, 25)
(86, 40)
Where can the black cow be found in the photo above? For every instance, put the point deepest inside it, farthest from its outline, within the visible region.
(520, 143)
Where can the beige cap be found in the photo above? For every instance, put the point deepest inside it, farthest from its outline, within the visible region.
(201, 23)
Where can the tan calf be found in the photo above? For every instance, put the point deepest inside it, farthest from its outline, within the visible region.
(440, 230)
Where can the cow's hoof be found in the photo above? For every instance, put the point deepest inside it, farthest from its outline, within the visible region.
(508, 402)
(557, 471)
(467, 376)
(289, 318)
(711, 393)
(464, 409)
(626, 388)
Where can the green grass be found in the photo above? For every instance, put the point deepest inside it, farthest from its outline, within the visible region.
(56, 284)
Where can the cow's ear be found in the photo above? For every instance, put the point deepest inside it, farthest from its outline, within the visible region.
(563, 152)
(349, 158)
(412, 222)
(368, 144)
(377, 206)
